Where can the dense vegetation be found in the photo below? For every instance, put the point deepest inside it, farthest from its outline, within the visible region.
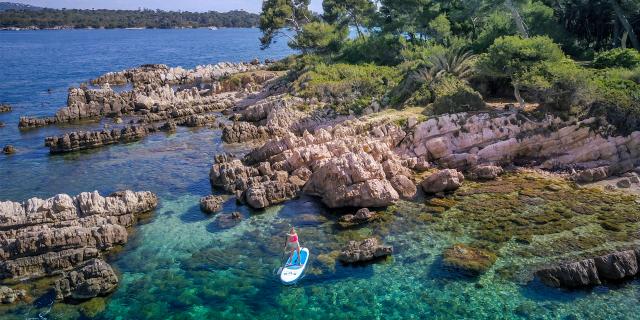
(49, 18)
(568, 57)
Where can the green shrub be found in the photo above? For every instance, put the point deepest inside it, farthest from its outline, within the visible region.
(320, 37)
(379, 49)
(346, 87)
(617, 58)
(453, 95)
(558, 85)
(618, 101)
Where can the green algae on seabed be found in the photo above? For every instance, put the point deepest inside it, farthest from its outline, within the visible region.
(181, 266)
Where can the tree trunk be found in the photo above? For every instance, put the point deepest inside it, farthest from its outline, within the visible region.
(516, 93)
(522, 28)
(625, 23)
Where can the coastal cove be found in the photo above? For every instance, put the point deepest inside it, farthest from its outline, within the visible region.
(181, 263)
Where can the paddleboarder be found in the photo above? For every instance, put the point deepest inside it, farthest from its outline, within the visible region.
(293, 244)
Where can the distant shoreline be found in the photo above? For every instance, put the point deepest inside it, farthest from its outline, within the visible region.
(59, 28)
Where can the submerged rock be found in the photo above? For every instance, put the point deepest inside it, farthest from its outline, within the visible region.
(362, 216)
(92, 279)
(5, 108)
(468, 259)
(226, 221)
(443, 181)
(211, 204)
(363, 251)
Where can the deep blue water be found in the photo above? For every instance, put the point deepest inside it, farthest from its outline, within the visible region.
(182, 264)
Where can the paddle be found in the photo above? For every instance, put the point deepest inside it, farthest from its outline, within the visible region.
(284, 250)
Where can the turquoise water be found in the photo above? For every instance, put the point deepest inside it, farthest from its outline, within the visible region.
(183, 264)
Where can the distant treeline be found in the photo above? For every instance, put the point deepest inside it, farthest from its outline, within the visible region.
(51, 18)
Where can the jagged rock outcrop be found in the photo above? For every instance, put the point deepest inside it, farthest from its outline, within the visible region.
(591, 175)
(463, 141)
(211, 204)
(41, 237)
(591, 272)
(443, 181)
(91, 279)
(364, 251)
(160, 73)
(9, 296)
(153, 98)
(82, 140)
(5, 108)
(352, 180)
(349, 165)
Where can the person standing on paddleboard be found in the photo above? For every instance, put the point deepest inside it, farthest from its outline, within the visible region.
(293, 243)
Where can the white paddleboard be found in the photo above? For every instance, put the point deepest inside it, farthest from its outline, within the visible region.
(292, 272)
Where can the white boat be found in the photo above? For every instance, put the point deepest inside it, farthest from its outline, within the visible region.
(291, 273)
(213, 28)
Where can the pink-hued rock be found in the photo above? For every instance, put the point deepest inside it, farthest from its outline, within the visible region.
(443, 181)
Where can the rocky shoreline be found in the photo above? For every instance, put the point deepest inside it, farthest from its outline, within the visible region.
(68, 236)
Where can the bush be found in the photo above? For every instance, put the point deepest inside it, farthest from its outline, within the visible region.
(618, 101)
(453, 95)
(617, 58)
(346, 87)
(559, 85)
(379, 49)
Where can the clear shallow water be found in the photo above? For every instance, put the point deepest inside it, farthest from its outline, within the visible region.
(181, 264)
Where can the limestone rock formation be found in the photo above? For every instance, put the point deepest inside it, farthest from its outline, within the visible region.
(363, 251)
(443, 181)
(82, 140)
(352, 180)
(41, 237)
(590, 272)
(211, 204)
(91, 279)
(9, 296)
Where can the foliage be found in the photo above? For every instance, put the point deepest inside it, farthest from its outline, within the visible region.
(453, 95)
(50, 18)
(277, 15)
(319, 37)
(618, 57)
(377, 48)
(618, 101)
(346, 87)
(344, 13)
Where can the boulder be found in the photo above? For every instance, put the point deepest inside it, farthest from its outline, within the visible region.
(617, 265)
(269, 193)
(404, 186)
(9, 296)
(443, 181)
(89, 280)
(592, 175)
(5, 108)
(485, 172)
(624, 183)
(362, 216)
(363, 251)
(226, 221)
(211, 204)
(468, 259)
(352, 180)
(571, 275)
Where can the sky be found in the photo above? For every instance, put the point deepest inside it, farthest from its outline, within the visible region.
(173, 5)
